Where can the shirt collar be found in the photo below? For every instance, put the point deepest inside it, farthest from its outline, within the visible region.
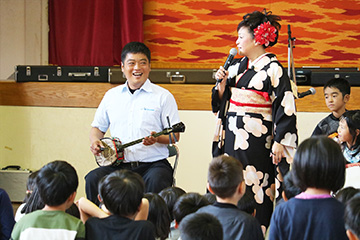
(145, 87)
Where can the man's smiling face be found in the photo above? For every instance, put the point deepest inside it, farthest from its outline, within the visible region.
(136, 68)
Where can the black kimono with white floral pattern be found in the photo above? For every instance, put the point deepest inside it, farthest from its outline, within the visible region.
(248, 136)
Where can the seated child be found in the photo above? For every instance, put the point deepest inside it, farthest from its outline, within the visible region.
(345, 194)
(352, 218)
(88, 209)
(201, 226)
(186, 204)
(349, 137)
(247, 204)
(318, 169)
(121, 192)
(57, 183)
(349, 130)
(337, 94)
(290, 190)
(226, 181)
(170, 196)
(159, 215)
(32, 199)
(7, 221)
(210, 197)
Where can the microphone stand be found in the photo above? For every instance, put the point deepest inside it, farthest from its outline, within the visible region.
(291, 65)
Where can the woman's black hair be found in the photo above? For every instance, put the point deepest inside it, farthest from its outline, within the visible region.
(352, 118)
(254, 19)
(319, 163)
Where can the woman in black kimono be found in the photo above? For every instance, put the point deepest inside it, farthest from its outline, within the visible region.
(256, 112)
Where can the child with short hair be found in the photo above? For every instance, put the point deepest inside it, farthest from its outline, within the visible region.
(337, 94)
(170, 196)
(345, 194)
(290, 190)
(352, 218)
(159, 215)
(318, 169)
(201, 226)
(121, 192)
(57, 182)
(186, 204)
(247, 204)
(349, 137)
(226, 181)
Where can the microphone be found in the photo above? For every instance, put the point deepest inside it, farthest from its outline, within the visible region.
(231, 56)
(311, 91)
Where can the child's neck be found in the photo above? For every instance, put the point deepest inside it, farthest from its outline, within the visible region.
(61, 207)
(317, 191)
(232, 200)
(339, 112)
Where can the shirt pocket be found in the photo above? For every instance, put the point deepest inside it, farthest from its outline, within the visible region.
(150, 118)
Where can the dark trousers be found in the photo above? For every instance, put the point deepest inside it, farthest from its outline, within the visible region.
(157, 176)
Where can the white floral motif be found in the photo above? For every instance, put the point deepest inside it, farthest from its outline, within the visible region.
(275, 72)
(252, 178)
(241, 136)
(289, 140)
(288, 103)
(257, 81)
(233, 69)
(271, 192)
(268, 142)
(254, 126)
(263, 61)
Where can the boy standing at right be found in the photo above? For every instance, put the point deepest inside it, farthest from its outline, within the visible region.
(337, 94)
(226, 181)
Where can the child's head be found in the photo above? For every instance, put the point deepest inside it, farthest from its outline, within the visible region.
(337, 94)
(352, 217)
(224, 176)
(188, 203)
(349, 128)
(247, 203)
(210, 197)
(135, 47)
(289, 190)
(56, 182)
(345, 194)
(170, 196)
(121, 192)
(30, 185)
(159, 215)
(201, 226)
(319, 163)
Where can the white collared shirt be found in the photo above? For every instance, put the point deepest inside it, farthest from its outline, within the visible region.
(133, 116)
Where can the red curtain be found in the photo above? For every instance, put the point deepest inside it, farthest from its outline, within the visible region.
(92, 32)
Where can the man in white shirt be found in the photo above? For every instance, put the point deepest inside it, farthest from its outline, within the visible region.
(132, 111)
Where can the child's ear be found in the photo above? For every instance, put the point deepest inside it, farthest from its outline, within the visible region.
(99, 197)
(209, 188)
(357, 132)
(351, 235)
(346, 98)
(72, 197)
(284, 196)
(242, 188)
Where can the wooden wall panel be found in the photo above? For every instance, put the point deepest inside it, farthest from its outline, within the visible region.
(89, 95)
